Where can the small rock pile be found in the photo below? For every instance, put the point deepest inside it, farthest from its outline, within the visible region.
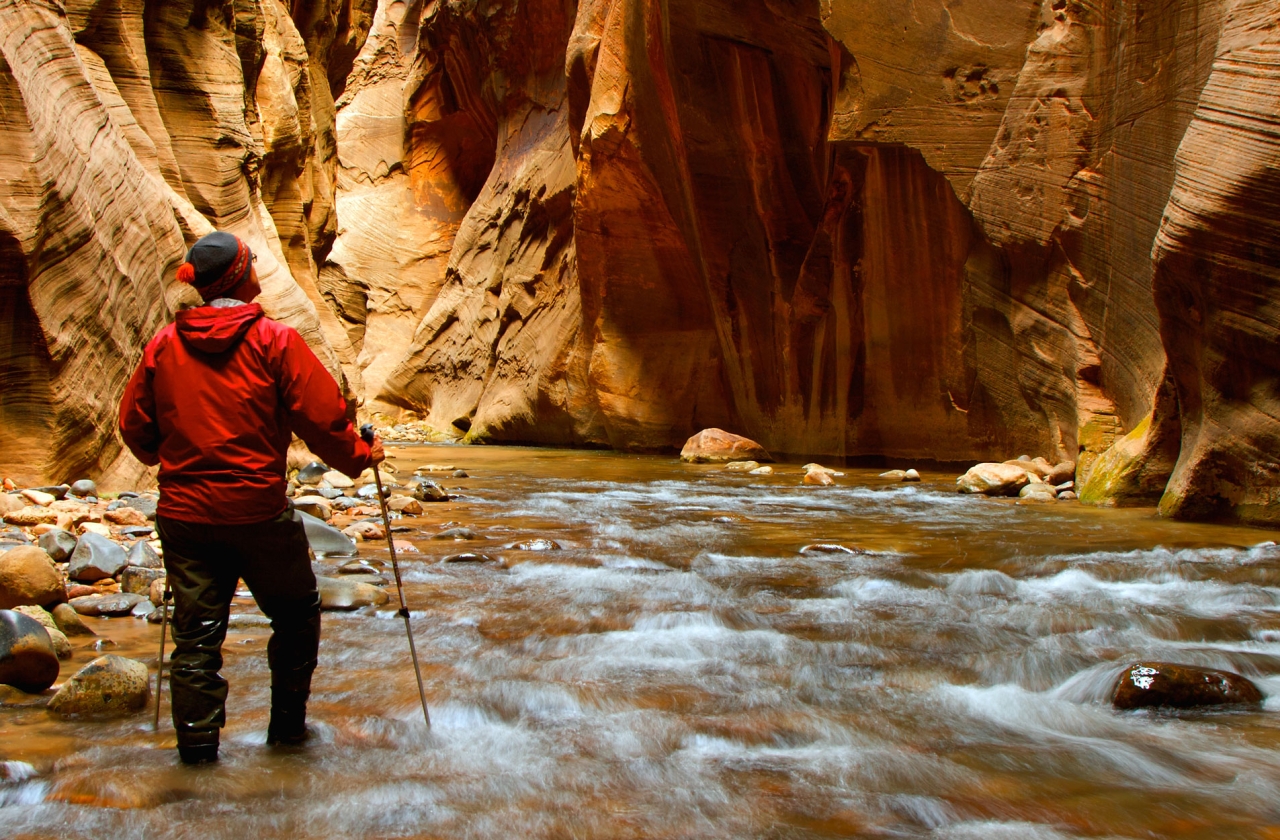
(1030, 479)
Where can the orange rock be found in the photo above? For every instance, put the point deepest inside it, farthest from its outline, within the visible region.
(718, 446)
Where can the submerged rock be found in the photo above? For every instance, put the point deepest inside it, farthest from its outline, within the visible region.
(457, 534)
(339, 594)
(830, 548)
(741, 466)
(61, 644)
(471, 557)
(538, 544)
(109, 685)
(820, 478)
(28, 577)
(719, 446)
(28, 660)
(994, 479)
(116, 603)
(69, 621)
(1148, 684)
(426, 490)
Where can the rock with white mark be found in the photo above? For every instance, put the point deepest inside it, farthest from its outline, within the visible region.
(109, 685)
(1148, 684)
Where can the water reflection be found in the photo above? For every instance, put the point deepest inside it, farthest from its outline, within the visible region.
(680, 668)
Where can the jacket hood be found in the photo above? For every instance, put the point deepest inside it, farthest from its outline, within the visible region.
(213, 330)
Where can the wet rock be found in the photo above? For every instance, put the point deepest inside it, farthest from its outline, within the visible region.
(357, 569)
(1067, 496)
(95, 558)
(84, 488)
(406, 505)
(368, 491)
(366, 531)
(471, 557)
(326, 539)
(403, 547)
(815, 467)
(1038, 492)
(719, 446)
(158, 614)
(142, 609)
(372, 580)
(111, 604)
(345, 503)
(125, 516)
(142, 555)
(339, 594)
(425, 490)
(28, 661)
(316, 506)
(58, 491)
(894, 475)
(138, 579)
(434, 468)
(39, 497)
(538, 544)
(741, 466)
(830, 548)
(61, 644)
(156, 593)
(1063, 472)
(982, 582)
(1064, 487)
(32, 515)
(820, 478)
(329, 493)
(138, 532)
(312, 473)
(16, 698)
(460, 474)
(146, 505)
(912, 475)
(79, 590)
(457, 534)
(69, 622)
(28, 577)
(109, 685)
(1148, 684)
(761, 471)
(994, 480)
(337, 480)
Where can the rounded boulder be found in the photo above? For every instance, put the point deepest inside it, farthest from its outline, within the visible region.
(718, 446)
(1163, 684)
(29, 578)
(28, 661)
(109, 685)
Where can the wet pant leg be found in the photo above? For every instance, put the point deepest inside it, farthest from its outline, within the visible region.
(202, 572)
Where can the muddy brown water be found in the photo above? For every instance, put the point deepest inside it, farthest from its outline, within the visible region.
(681, 670)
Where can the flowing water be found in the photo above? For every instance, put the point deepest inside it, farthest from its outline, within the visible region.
(680, 669)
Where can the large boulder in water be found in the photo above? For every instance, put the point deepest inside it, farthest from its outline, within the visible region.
(326, 539)
(29, 578)
(994, 480)
(718, 446)
(1147, 684)
(96, 558)
(28, 660)
(109, 685)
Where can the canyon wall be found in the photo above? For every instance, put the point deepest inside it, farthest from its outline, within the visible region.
(983, 229)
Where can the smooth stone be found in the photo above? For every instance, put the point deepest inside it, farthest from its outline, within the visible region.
(28, 577)
(83, 488)
(156, 593)
(895, 475)
(128, 516)
(138, 579)
(1148, 684)
(147, 505)
(405, 505)
(339, 594)
(325, 539)
(95, 558)
(741, 466)
(79, 590)
(142, 555)
(912, 475)
(366, 531)
(138, 531)
(457, 534)
(127, 494)
(470, 557)
(815, 467)
(829, 548)
(337, 480)
(346, 503)
(369, 491)
(17, 536)
(1062, 473)
(820, 478)
(39, 497)
(112, 604)
(425, 490)
(312, 473)
(16, 698)
(357, 569)
(95, 528)
(109, 685)
(143, 609)
(372, 580)
(28, 660)
(435, 468)
(762, 471)
(69, 621)
(538, 544)
(460, 474)
(1067, 496)
(158, 615)
(116, 505)
(316, 506)
(1038, 492)
(11, 503)
(994, 479)
(61, 644)
(719, 446)
(329, 493)
(1065, 486)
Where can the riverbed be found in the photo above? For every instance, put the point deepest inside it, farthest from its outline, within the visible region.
(680, 668)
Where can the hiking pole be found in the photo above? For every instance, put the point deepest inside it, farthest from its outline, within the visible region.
(164, 625)
(366, 432)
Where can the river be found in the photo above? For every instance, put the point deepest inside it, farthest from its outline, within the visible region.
(680, 669)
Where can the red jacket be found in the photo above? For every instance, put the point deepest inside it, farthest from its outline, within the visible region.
(214, 403)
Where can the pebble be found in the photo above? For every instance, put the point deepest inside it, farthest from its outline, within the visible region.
(28, 661)
(112, 604)
(109, 685)
(142, 609)
(912, 475)
(95, 528)
(357, 569)
(538, 544)
(156, 593)
(95, 558)
(338, 594)
(329, 493)
(1147, 684)
(345, 503)
(993, 480)
(138, 532)
(142, 555)
(435, 468)
(366, 531)
(1067, 496)
(457, 534)
(28, 577)
(84, 488)
(372, 580)
(69, 621)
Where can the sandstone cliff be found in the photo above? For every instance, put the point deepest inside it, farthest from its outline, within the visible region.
(983, 229)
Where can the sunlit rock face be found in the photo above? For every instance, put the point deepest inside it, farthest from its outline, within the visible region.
(129, 130)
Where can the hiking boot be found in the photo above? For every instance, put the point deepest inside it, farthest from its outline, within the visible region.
(288, 725)
(198, 753)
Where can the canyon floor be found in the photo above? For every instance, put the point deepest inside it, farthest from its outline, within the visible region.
(680, 668)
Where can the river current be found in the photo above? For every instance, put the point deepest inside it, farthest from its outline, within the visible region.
(680, 668)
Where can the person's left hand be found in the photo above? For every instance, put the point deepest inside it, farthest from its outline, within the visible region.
(377, 455)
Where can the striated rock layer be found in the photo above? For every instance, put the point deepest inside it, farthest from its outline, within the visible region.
(981, 230)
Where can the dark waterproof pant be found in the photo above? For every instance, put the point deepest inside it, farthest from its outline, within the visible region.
(204, 563)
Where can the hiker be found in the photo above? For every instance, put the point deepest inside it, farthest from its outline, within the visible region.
(214, 403)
